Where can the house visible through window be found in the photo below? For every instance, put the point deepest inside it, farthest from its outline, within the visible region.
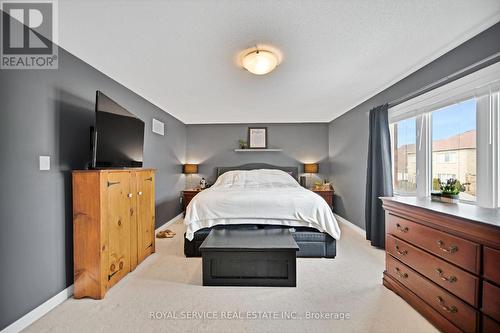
(454, 146)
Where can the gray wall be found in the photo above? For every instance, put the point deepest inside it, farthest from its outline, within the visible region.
(349, 133)
(213, 146)
(48, 112)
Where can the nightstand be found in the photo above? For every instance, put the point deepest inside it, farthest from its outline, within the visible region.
(188, 195)
(325, 194)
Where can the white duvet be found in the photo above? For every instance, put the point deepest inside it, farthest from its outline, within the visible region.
(259, 197)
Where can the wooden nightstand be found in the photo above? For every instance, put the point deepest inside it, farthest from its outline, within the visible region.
(188, 195)
(325, 194)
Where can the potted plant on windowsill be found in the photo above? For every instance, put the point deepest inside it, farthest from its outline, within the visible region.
(242, 144)
(450, 191)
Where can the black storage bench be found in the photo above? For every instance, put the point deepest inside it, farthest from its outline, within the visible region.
(262, 257)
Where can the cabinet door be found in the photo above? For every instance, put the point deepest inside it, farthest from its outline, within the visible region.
(145, 214)
(118, 214)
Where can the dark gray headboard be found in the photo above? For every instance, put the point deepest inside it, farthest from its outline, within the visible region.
(293, 171)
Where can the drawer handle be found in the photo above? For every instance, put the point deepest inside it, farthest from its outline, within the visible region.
(139, 193)
(129, 195)
(451, 250)
(401, 252)
(400, 274)
(112, 183)
(401, 229)
(450, 279)
(450, 309)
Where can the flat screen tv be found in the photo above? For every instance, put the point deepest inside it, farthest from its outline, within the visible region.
(117, 137)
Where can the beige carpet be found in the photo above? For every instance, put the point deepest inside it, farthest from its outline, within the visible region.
(167, 282)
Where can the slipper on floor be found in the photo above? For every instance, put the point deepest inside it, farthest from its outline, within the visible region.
(163, 234)
(168, 231)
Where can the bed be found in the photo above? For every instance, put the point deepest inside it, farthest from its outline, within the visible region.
(261, 196)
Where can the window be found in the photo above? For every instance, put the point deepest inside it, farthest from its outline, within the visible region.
(446, 157)
(404, 159)
(450, 132)
(453, 134)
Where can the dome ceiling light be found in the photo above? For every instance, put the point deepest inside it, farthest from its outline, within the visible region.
(260, 61)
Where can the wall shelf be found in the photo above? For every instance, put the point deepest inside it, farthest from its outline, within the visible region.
(257, 150)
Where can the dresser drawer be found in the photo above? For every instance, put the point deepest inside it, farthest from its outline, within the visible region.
(454, 249)
(491, 264)
(448, 276)
(490, 325)
(452, 308)
(491, 300)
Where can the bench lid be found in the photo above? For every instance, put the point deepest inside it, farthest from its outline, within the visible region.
(257, 240)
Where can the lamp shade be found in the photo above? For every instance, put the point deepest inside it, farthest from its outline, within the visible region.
(190, 168)
(311, 168)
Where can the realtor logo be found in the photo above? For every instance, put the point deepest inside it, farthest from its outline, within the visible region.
(29, 35)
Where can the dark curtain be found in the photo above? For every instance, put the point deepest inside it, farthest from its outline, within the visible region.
(379, 174)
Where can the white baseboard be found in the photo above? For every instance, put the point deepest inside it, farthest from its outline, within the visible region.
(172, 221)
(44, 308)
(39, 311)
(351, 225)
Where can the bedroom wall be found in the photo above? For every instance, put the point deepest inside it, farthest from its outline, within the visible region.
(48, 112)
(213, 146)
(348, 137)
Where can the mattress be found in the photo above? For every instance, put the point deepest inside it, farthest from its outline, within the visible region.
(259, 197)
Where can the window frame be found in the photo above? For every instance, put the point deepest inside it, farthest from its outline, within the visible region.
(484, 86)
(396, 192)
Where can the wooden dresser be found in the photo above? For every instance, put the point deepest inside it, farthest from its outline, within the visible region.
(325, 194)
(113, 226)
(444, 259)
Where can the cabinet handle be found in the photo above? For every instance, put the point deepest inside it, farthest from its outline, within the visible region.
(113, 267)
(450, 309)
(139, 193)
(129, 195)
(450, 279)
(400, 274)
(112, 183)
(451, 250)
(401, 252)
(150, 179)
(401, 229)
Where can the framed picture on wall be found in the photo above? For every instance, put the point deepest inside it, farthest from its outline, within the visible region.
(257, 137)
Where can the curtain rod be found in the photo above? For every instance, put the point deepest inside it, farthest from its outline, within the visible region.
(461, 73)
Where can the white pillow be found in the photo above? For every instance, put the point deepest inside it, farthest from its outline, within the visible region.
(256, 178)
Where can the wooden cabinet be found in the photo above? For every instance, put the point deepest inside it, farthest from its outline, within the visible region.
(327, 195)
(443, 260)
(113, 226)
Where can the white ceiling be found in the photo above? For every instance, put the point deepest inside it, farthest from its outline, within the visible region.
(180, 55)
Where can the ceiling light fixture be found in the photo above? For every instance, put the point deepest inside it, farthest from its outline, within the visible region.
(260, 62)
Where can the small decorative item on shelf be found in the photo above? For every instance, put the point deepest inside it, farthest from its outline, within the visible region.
(257, 137)
(318, 186)
(203, 183)
(242, 144)
(450, 191)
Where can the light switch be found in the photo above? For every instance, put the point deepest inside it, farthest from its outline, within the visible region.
(44, 163)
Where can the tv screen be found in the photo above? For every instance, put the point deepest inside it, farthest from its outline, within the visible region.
(118, 136)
